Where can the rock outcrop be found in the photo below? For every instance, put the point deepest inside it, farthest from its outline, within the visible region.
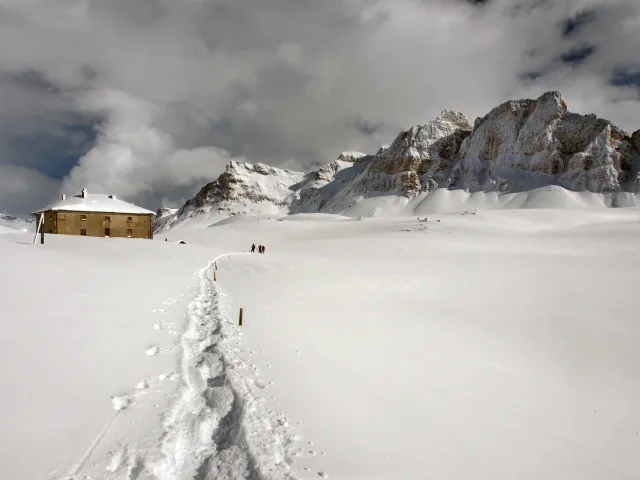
(419, 157)
(519, 145)
(527, 143)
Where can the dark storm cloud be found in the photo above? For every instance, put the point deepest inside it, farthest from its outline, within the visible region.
(365, 126)
(574, 24)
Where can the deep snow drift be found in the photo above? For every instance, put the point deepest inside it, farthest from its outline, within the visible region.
(487, 344)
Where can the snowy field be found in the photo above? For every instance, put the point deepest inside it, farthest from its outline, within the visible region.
(490, 345)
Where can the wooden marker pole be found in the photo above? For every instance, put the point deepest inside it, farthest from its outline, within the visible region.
(214, 276)
(240, 319)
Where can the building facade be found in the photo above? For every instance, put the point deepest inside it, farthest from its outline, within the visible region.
(96, 216)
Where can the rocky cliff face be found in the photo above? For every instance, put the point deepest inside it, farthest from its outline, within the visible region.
(527, 143)
(419, 158)
(519, 145)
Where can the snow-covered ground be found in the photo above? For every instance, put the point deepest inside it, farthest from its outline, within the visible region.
(488, 345)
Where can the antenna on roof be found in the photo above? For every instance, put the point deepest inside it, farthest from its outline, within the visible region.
(64, 196)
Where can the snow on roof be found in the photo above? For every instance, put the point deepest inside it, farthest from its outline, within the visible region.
(96, 202)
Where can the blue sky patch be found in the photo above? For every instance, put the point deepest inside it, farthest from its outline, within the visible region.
(626, 77)
(53, 154)
(578, 54)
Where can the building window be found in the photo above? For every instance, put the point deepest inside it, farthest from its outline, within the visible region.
(107, 218)
(83, 232)
(129, 232)
(83, 217)
(107, 232)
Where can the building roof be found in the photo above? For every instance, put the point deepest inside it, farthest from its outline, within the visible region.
(95, 202)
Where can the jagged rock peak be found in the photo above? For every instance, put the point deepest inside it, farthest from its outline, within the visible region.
(165, 211)
(422, 149)
(238, 167)
(550, 102)
(350, 156)
(419, 138)
(456, 118)
(382, 149)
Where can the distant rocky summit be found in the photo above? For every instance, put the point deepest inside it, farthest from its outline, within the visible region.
(519, 145)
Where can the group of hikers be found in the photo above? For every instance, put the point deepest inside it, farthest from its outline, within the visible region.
(261, 248)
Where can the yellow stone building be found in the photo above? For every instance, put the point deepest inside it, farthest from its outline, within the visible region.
(95, 215)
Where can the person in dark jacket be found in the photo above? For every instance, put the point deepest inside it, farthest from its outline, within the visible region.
(253, 248)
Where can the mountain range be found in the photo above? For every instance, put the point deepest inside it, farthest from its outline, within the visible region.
(518, 147)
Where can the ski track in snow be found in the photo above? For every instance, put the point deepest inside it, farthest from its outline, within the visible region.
(218, 426)
(76, 467)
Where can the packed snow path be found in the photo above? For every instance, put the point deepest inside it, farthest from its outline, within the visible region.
(218, 426)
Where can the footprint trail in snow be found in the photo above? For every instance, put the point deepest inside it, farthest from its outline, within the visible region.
(218, 426)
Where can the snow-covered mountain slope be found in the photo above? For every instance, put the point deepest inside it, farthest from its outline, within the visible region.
(10, 222)
(518, 147)
(242, 188)
(163, 215)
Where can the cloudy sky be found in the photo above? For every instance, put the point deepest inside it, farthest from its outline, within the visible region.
(149, 99)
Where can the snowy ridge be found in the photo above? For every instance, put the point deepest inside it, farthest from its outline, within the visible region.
(163, 215)
(11, 223)
(519, 146)
(217, 427)
(243, 188)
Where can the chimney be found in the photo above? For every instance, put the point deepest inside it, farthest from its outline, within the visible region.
(84, 193)
(64, 196)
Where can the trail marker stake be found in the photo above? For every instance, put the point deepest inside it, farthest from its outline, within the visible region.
(240, 318)
(214, 276)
